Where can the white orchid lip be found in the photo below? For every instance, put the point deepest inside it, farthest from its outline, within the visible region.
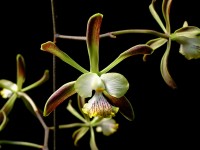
(88, 82)
(98, 106)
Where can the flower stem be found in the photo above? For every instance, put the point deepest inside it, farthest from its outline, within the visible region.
(113, 34)
(34, 107)
(22, 143)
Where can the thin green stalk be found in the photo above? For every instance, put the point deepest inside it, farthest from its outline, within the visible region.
(21, 143)
(72, 125)
(113, 34)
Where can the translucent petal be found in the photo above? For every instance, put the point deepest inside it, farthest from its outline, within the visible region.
(88, 82)
(191, 50)
(108, 126)
(115, 84)
(6, 84)
(58, 97)
(98, 106)
(187, 31)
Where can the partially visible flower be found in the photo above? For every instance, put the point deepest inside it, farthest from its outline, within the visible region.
(107, 126)
(12, 91)
(6, 93)
(189, 39)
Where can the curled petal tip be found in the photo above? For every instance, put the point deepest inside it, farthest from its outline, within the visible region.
(48, 45)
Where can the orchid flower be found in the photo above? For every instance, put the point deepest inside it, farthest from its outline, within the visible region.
(107, 126)
(187, 36)
(12, 91)
(109, 88)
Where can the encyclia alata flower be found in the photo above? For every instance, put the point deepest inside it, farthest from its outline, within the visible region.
(109, 88)
(12, 91)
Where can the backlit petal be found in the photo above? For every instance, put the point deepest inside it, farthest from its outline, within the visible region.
(115, 84)
(108, 126)
(88, 82)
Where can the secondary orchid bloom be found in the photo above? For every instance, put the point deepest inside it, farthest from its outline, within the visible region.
(12, 91)
(109, 88)
(107, 126)
(189, 40)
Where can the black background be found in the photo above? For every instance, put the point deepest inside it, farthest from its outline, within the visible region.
(164, 118)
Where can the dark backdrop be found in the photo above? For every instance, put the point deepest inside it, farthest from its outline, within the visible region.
(164, 118)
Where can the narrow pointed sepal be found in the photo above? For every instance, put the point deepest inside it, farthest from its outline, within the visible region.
(166, 6)
(58, 97)
(135, 50)
(5, 110)
(3, 120)
(20, 71)
(92, 40)
(164, 68)
(156, 16)
(78, 134)
(53, 49)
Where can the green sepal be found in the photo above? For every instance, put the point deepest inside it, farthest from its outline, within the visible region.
(164, 68)
(78, 134)
(53, 49)
(154, 44)
(92, 40)
(135, 50)
(3, 120)
(20, 71)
